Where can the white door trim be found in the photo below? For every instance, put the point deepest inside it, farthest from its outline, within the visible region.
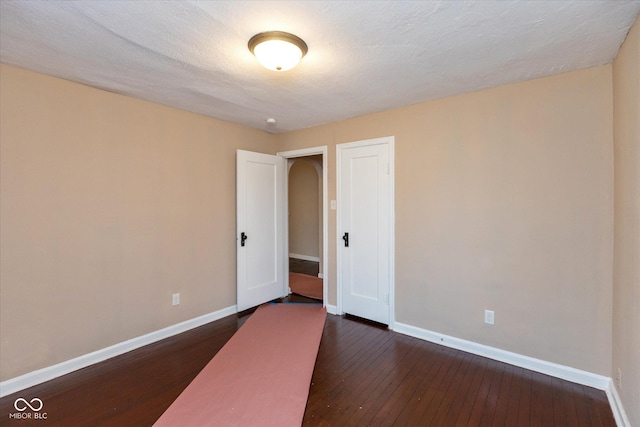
(390, 141)
(325, 214)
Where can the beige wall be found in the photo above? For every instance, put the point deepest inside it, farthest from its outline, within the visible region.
(504, 201)
(304, 209)
(108, 206)
(626, 282)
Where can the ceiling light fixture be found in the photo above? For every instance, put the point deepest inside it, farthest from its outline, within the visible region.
(277, 50)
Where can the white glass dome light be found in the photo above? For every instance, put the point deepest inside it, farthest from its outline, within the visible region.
(277, 50)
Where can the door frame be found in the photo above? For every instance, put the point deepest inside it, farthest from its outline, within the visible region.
(304, 152)
(390, 141)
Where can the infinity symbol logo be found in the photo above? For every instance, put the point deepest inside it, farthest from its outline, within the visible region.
(24, 404)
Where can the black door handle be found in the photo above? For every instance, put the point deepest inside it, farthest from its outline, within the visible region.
(346, 240)
(243, 237)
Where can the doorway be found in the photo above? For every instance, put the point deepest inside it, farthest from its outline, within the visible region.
(306, 219)
(305, 226)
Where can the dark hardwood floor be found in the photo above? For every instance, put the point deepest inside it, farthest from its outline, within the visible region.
(364, 375)
(302, 266)
(367, 375)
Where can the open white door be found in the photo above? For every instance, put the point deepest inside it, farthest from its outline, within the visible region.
(365, 227)
(260, 228)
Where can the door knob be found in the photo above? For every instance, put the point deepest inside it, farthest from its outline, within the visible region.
(243, 237)
(346, 240)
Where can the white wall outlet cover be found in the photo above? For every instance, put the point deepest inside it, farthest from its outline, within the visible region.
(489, 317)
(175, 299)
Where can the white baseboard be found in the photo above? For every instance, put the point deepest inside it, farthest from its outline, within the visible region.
(616, 406)
(549, 368)
(305, 257)
(45, 374)
(331, 309)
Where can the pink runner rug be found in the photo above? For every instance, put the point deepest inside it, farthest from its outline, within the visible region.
(305, 285)
(261, 377)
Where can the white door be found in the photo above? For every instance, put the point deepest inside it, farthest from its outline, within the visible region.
(260, 228)
(365, 215)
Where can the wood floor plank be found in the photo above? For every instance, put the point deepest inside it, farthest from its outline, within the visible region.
(472, 393)
(459, 394)
(365, 384)
(599, 412)
(354, 376)
(440, 409)
(511, 416)
(439, 391)
(568, 399)
(559, 408)
(415, 406)
(542, 401)
(404, 394)
(524, 410)
(432, 395)
(484, 404)
(504, 391)
(387, 391)
(364, 375)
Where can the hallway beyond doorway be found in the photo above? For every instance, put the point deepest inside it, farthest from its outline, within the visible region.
(301, 266)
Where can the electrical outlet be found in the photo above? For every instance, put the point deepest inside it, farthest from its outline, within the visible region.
(489, 317)
(175, 299)
(619, 379)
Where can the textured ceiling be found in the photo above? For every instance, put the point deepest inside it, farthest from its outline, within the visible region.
(363, 56)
